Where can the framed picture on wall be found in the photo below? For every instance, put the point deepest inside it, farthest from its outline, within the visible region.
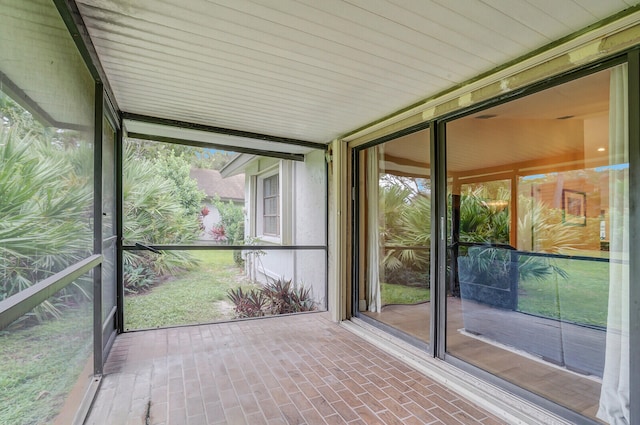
(574, 208)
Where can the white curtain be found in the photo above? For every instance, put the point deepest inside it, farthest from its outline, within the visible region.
(373, 231)
(614, 396)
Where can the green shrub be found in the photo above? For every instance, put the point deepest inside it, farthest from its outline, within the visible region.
(275, 297)
(138, 277)
(408, 277)
(284, 297)
(185, 189)
(479, 221)
(155, 213)
(231, 220)
(407, 215)
(247, 304)
(238, 239)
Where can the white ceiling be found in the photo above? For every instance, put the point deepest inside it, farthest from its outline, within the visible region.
(310, 69)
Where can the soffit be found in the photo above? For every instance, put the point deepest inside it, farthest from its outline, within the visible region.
(312, 70)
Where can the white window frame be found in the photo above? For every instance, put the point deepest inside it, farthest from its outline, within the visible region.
(263, 200)
(283, 170)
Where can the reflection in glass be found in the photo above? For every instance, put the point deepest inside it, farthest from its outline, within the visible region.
(538, 245)
(46, 357)
(396, 213)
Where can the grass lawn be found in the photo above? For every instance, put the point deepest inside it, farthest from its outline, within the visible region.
(195, 296)
(582, 298)
(401, 294)
(40, 364)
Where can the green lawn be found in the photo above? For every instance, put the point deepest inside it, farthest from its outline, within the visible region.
(40, 364)
(402, 294)
(196, 296)
(582, 298)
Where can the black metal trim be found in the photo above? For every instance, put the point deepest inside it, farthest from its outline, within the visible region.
(221, 130)
(157, 248)
(547, 83)
(242, 319)
(439, 240)
(111, 115)
(109, 328)
(407, 247)
(98, 361)
(70, 14)
(24, 301)
(24, 100)
(199, 144)
(538, 254)
(141, 246)
(395, 135)
(119, 200)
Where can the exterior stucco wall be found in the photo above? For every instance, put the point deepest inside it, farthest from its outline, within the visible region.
(305, 222)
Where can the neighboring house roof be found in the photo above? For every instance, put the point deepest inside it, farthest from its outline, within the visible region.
(211, 183)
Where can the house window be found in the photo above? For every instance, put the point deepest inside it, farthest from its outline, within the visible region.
(271, 206)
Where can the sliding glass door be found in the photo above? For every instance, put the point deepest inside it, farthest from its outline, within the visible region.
(530, 287)
(394, 221)
(538, 193)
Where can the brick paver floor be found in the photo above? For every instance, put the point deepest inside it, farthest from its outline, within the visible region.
(300, 369)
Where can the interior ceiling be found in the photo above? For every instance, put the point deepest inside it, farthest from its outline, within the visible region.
(307, 69)
(541, 127)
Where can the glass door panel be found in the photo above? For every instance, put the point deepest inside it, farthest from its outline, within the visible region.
(108, 218)
(395, 217)
(539, 222)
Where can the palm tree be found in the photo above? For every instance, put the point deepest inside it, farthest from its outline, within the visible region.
(153, 214)
(45, 213)
(480, 221)
(540, 228)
